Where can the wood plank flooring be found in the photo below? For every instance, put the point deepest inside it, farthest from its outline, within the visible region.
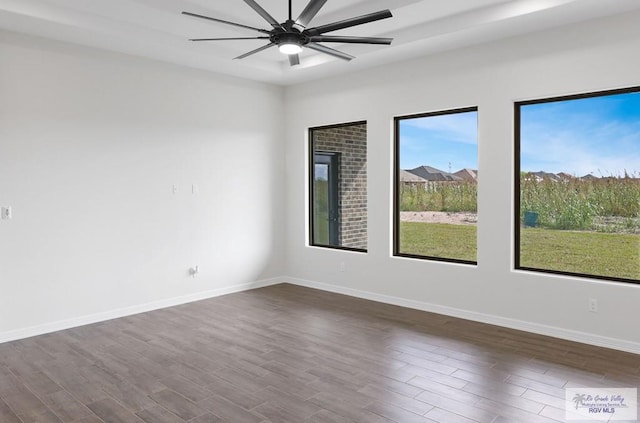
(292, 354)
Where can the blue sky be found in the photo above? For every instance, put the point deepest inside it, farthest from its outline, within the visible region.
(598, 135)
(446, 142)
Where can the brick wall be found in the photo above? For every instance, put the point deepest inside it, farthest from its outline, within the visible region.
(351, 142)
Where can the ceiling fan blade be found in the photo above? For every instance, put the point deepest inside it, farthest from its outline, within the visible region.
(309, 12)
(347, 23)
(259, 49)
(353, 40)
(225, 39)
(294, 59)
(255, 6)
(328, 50)
(195, 15)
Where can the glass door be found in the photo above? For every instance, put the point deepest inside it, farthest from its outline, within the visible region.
(325, 196)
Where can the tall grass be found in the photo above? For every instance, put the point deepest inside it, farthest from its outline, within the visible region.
(603, 204)
(580, 204)
(443, 196)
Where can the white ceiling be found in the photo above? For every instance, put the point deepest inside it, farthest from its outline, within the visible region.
(156, 29)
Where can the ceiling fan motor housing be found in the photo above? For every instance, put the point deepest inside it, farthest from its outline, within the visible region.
(290, 36)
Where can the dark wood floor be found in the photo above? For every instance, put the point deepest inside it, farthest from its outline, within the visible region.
(291, 354)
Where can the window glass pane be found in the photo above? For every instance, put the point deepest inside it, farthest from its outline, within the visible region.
(578, 185)
(436, 185)
(321, 206)
(339, 189)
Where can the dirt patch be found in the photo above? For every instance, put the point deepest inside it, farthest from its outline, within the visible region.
(462, 218)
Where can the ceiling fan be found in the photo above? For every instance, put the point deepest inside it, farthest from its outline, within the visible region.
(292, 35)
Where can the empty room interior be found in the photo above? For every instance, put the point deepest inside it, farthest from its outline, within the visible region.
(319, 211)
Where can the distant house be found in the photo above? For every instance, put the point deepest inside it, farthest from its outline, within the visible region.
(467, 174)
(542, 176)
(588, 177)
(410, 178)
(565, 176)
(432, 174)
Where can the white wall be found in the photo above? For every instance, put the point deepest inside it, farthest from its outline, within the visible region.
(91, 144)
(586, 57)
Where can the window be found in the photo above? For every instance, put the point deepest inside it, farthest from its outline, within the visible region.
(436, 181)
(338, 175)
(578, 185)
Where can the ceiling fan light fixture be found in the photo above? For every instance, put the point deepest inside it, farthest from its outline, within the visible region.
(290, 48)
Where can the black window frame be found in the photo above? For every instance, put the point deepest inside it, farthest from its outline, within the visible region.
(311, 173)
(517, 169)
(396, 185)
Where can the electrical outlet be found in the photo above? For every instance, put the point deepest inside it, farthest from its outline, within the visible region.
(194, 271)
(6, 213)
(593, 305)
(342, 266)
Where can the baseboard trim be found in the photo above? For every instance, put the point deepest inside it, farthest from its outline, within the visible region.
(556, 332)
(128, 311)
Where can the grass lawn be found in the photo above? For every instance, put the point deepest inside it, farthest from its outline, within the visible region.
(602, 254)
(439, 240)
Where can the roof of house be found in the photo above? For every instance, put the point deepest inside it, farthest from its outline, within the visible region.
(432, 174)
(406, 176)
(467, 174)
(589, 177)
(546, 175)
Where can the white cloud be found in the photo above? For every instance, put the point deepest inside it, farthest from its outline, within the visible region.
(580, 144)
(457, 127)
